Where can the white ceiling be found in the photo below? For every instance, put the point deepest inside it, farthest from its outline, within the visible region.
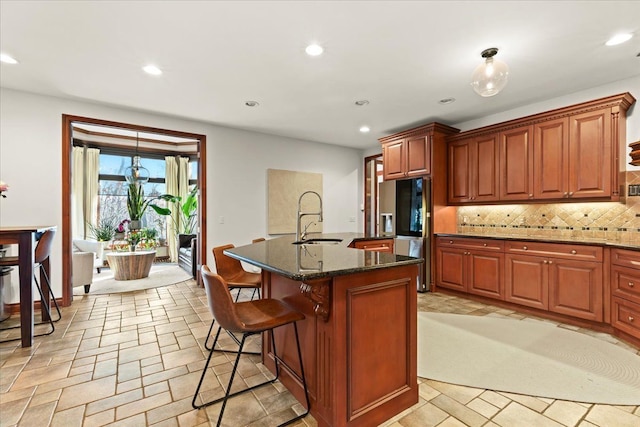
(401, 56)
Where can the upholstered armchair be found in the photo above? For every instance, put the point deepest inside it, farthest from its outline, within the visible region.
(82, 272)
(80, 245)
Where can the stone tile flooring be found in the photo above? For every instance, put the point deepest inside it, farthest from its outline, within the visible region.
(134, 359)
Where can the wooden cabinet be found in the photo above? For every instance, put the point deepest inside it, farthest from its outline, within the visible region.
(409, 154)
(407, 157)
(625, 291)
(572, 153)
(550, 155)
(561, 278)
(473, 171)
(380, 245)
(590, 155)
(516, 163)
(471, 265)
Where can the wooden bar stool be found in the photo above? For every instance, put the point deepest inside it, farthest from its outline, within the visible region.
(42, 252)
(248, 318)
(237, 278)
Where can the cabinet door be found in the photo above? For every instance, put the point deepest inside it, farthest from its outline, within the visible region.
(485, 274)
(451, 269)
(550, 157)
(516, 164)
(484, 169)
(526, 281)
(418, 156)
(575, 288)
(459, 171)
(590, 154)
(393, 158)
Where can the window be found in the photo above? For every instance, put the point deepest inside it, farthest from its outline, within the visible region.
(112, 191)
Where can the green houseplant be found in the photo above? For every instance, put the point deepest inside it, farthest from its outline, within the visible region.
(187, 212)
(104, 231)
(137, 205)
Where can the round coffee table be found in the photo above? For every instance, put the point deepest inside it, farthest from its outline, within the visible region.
(131, 265)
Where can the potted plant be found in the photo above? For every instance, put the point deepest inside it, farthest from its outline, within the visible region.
(187, 212)
(103, 232)
(133, 238)
(137, 205)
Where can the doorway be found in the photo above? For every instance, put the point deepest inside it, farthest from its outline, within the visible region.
(68, 122)
(372, 178)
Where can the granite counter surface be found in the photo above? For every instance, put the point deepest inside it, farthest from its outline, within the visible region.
(545, 239)
(302, 262)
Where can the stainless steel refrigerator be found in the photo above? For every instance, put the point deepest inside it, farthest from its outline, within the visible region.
(404, 213)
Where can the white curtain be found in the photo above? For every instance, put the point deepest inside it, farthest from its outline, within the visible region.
(171, 181)
(84, 190)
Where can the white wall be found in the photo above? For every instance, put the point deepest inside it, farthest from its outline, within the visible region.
(31, 163)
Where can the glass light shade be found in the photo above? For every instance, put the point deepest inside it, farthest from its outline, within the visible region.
(490, 77)
(136, 174)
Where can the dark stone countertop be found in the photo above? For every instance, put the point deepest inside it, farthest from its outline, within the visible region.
(572, 240)
(306, 262)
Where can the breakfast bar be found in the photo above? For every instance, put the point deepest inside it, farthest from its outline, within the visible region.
(359, 336)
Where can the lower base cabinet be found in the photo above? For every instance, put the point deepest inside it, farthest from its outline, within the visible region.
(471, 265)
(625, 291)
(560, 278)
(562, 286)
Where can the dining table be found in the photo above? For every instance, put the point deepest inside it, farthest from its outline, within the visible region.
(25, 237)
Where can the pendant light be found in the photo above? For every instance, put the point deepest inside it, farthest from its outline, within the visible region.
(491, 76)
(136, 174)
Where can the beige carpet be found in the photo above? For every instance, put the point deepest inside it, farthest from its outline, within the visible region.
(161, 274)
(526, 357)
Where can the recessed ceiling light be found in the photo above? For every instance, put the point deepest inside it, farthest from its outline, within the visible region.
(364, 129)
(152, 69)
(314, 50)
(251, 104)
(7, 59)
(362, 103)
(447, 101)
(619, 39)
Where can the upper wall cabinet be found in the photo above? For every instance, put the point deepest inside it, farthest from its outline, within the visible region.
(573, 153)
(409, 153)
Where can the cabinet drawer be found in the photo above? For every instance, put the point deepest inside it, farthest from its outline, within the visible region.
(470, 243)
(626, 316)
(557, 250)
(625, 258)
(380, 245)
(625, 283)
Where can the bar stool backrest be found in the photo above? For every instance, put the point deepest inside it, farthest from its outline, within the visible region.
(220, 302)
(226, 266)
(43, 247)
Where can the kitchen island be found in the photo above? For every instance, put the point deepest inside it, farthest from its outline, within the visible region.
(359, 335)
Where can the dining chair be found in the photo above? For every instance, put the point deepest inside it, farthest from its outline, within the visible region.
(248, 318)
(42, 252)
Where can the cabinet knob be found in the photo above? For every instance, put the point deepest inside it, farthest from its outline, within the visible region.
(630, 318)
(550, 262)
(530, 195)
(570, 193)
(525, 248)
(545, 261)
(631, 284)
(484, 244)
(574, 252)
(450, 241)
(566, 194)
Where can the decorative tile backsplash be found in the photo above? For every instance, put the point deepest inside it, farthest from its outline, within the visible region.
(619, 222)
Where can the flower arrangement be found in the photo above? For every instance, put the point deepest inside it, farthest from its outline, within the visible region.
(4, 187)
(134, 237)
(121, 226)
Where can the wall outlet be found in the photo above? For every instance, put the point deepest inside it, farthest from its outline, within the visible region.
(221, 220)
(634, 190)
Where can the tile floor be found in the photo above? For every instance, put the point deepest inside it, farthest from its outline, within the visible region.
(134, 360)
